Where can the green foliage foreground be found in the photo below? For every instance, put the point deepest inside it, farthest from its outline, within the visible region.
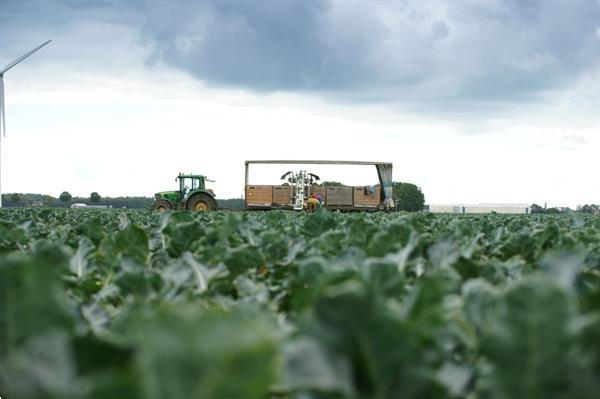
(131, 304)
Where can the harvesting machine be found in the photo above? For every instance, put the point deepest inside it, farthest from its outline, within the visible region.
(297, 186)
(192, 195)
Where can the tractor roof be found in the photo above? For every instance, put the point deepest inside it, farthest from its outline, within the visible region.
(184, 175)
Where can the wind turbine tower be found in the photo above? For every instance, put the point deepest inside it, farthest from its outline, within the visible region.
(2, 107)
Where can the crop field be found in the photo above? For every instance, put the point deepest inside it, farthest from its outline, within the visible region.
(132, 304)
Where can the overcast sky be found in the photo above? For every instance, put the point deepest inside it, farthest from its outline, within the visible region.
(474, 101)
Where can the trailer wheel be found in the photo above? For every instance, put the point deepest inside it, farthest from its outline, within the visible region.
(201, 203)
(162, 205)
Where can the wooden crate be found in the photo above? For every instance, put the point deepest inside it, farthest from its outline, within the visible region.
(321, 190)
(282, 195)
(339, 196)
(364, 198)
(259, 195)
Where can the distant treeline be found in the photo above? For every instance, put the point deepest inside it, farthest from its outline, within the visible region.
(231, 203)
(587, 208)
(29, 199)
(18, 199)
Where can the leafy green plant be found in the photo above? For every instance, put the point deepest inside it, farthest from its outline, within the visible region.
(117, 303)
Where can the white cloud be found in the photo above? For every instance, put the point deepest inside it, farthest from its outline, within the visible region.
(132, 136)
(88, 115)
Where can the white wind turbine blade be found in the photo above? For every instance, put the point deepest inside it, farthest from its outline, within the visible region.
(2, 110)
(21, 58)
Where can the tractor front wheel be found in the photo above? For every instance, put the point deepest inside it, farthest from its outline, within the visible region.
(162, 205)
(201, 203)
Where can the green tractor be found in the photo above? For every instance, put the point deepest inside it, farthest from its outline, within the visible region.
(192, 195)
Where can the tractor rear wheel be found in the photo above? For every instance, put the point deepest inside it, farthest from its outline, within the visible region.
(201, 203)
(162, 205)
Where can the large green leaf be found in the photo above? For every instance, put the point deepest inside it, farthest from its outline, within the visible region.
(32, 298)
(185, 353)
(527, 340)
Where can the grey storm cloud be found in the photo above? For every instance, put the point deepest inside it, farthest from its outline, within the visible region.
(428, 55)
(492, 51)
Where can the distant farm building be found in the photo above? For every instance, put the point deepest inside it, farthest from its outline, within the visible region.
(480, 208)
(446, 208)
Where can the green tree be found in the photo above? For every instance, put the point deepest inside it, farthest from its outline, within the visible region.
(65, 196)
(408, 197)
(15, 198)
(95, 197)
(590, 208)
(48, 200)
(331, 183)
(535, 208)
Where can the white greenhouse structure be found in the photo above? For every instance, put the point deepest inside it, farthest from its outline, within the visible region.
(480, 208)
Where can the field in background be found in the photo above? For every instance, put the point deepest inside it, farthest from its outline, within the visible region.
(129, 303)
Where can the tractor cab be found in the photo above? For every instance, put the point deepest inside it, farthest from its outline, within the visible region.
(189, 183)
(192, 195)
